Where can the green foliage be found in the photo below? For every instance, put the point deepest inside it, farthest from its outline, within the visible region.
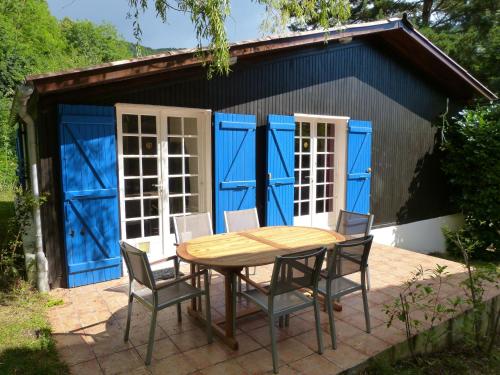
(12, 264)
(472, 163)
(209, 16)
(26, 344)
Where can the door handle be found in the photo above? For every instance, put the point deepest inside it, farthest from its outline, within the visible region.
(369, 170)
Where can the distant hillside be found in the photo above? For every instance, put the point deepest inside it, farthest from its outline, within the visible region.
(146, 51)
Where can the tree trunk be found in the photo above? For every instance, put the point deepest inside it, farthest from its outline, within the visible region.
(426, 12)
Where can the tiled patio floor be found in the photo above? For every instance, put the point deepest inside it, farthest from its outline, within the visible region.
(89, 327)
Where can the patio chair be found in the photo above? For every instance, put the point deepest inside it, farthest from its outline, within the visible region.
(157, 296)
(355, 225)
(347, 258)
(283, 295)
(237, 221)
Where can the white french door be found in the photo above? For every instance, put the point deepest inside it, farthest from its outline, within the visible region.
(320, 157)
(164, 158)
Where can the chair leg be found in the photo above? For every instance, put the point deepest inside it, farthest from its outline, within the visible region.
(208, 314)
(239, 285)
(367, 278)
(151, 339)
(179, 313)
(287, 320)
(247, 274)
(129, 316)
(331, 321)
(274, 350)
(367, 312)
(233, 298)
(319, 335)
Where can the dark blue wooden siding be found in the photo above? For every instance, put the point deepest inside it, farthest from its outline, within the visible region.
(359, 80)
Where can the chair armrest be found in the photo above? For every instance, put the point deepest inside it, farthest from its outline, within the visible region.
(254, 284)
(167, 283)
(173, 257)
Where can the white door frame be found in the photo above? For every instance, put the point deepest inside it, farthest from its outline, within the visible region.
(327, 220)
(204, 143)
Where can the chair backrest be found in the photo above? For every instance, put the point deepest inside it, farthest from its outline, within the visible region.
(237, 221)
(137, 265)
(297, 271)
(192, 226)
(353, 225)
(349, 257)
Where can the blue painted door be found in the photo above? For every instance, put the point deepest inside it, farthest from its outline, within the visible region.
(234, 164)
(280, 167)
(90, 196)
(359, 145)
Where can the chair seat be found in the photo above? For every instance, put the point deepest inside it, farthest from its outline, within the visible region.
(339, 286)
(169, 295)
(286, 302)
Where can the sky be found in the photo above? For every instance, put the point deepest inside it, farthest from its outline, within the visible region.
(178, 32)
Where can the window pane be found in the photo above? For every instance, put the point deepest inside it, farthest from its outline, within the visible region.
(306, 145)
(133, 229)
(190, 127)
(149, 145)
(151, 227)
(297, 161)
(191, 146)
(306, 162)
(296, 178)
(330, 145)
(304, 192)
(296, 194)
(192, 204)
(296, 209)
(149, 186)
(149, 167)
(320, 191)
(330, 175)
(321, 129)
(297, 144)
(306, 129)
(132, 187)
(191, 165)
(329, 205)
(150, 207)
(132, 209)
(175, 185)
(175, 205)
(129, 124)
(304, 177)
(331, 130)
(148, 124)
(174, 166)
(297, 129)
(130, 145)
(321, 145)
(191, 185)
(174, 126)
(320, 176)
(320, 161)
(131, 167)
(304, 208)
(329, 190)
(174, 146)
(320, 206)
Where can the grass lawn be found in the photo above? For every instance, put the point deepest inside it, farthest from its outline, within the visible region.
(26, 345)
(452, 362)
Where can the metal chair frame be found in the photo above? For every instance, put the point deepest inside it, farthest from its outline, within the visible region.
(151, 298)
(369, 218)
(269, 305)
(334, 275)
(228, 230)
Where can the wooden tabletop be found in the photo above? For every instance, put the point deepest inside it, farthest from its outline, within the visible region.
(255, 247)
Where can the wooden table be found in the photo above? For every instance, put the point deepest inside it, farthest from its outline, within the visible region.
(229, 253)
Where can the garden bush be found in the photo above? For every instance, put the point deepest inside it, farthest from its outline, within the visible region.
(472, 163)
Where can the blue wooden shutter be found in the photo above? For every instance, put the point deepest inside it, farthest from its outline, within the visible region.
(359, 145)
(234, 164)
(90, 196)
(280, 164)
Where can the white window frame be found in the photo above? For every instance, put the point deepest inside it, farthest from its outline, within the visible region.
(204, 154)
(340, 158)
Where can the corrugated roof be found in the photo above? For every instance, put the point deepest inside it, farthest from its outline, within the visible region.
(185, 58)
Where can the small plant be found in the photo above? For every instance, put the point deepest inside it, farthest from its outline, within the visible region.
(421, 296)
(11, 252)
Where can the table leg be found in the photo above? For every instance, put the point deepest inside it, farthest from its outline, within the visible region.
(230, 303)
(193, 282)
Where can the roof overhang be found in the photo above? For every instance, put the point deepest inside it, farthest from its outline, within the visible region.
(398, 33)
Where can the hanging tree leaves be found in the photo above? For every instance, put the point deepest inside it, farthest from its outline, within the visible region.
(209, 16)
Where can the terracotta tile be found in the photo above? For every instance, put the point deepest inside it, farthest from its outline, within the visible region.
(257, 362)
(298, 325)
(230, 367)
(315, 364)
(139, 332)
(161, 349)
(286, 370)
(345, 356)
(367, 344)
(358, 321)
(343, 329)
(309, 339)
(173, 327)
(290, 350)
(390, 335)
(86, 368)
(245, 345)
(106, 338)
(73, 349)
(189, 340)
(125, 361)
(208, 355)
(177, 364)
(262, 335)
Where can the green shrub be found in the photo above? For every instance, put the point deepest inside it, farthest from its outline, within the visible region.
(472, 163)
